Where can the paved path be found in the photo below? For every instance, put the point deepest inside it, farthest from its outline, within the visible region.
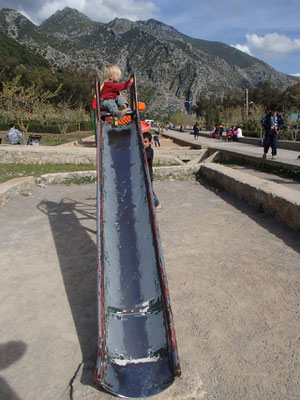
(234, 281)
(236, 146)
(285, 156)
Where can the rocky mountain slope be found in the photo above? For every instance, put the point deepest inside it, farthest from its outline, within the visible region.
(171, 67)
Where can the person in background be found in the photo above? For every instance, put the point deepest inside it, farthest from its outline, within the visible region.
(13, 135)
(234, 134)
(196, 130)
(214, 131)
(150, 154)
(229, 134)
(219, 131)
(272, 123)
(239, 133)
(156, 138)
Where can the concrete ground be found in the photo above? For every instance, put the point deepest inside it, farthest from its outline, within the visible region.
(236, 146)
(234, 281)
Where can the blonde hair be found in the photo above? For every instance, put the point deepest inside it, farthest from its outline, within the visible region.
(108, 70)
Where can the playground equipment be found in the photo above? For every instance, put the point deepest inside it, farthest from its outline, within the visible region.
(137, 351)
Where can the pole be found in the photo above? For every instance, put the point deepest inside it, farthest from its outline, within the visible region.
(95, 127)
(247, 103)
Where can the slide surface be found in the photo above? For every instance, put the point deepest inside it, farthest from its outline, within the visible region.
(137, 351)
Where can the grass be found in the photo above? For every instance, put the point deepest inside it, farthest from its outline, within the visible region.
(173, 176)
(280, 171)
(159, 163)
(55, 139)
(83, 180)
(10, 171)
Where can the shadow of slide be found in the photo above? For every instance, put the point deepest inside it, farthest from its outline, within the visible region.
(10, 352)
(73, 225)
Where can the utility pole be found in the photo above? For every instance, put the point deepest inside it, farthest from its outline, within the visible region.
(247, 103)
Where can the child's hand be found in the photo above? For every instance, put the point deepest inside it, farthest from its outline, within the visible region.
(131, 79)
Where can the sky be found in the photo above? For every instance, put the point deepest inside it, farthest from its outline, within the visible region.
(266, 29)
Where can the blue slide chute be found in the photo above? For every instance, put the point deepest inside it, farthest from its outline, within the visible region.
(137, 351)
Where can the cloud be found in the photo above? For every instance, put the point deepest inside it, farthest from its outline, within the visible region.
(106, 10)
(297, 74)
(97, 10)
(270, 46)
(244, 48)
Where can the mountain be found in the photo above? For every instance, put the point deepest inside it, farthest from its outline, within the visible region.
(171, 67)
(20, 55)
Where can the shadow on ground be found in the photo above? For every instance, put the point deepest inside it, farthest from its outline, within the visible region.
(10, 352)
(288, 236)
(73, 227)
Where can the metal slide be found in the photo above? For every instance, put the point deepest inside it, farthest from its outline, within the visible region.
(137, 352)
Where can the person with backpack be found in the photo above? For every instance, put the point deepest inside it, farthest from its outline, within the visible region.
(196, 130)
(272, 123)
(219, 131)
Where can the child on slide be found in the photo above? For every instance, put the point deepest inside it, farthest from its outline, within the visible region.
(111, 98)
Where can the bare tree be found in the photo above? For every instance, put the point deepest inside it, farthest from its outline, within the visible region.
(22, 104)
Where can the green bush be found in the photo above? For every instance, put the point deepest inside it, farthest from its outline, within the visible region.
(4, 125)
(250, 128)
(87, 125)
(286, 134)
(41, 127)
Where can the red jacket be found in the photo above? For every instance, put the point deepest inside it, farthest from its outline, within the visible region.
(112, 89)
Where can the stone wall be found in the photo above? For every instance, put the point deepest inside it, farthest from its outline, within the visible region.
(15, 187)
(46, 155)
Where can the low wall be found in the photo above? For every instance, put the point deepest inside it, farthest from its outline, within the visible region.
(46, 155)
(281, 202)
(15, 187)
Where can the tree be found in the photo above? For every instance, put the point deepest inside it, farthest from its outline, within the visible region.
(256, 113)
(180, 119)
(292, 96)
(77, 86)
(232, 116)
(64, 116)
(265, 95)
(80, 116)
(22, 103)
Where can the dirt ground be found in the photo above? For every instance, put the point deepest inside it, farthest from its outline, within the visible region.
(165, 142)
(234, 281)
